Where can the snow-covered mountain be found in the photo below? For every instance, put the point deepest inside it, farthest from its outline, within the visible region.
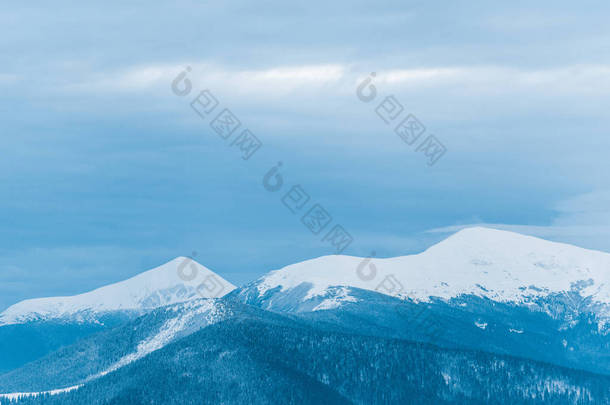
(489, 292)
(179, 280)
(499, 265)
(100, 354)
(480, 289)
(237, 354)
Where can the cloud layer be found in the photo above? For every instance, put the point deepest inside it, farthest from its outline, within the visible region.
(106, 172)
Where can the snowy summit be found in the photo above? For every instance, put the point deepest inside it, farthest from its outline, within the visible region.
(179, 280)
(499, 265)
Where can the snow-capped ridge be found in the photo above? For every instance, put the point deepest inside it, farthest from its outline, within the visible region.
(496, 264)
(181, 279)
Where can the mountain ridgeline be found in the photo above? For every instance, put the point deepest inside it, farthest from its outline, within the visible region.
(484, 317)
(31, 329)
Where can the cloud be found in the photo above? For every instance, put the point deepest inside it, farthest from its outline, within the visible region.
(491, 79)
(589, 209)
(469, 87)
(299, 74)
(419, 75)
(275, 79)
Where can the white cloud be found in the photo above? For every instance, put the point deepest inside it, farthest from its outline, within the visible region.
(419, 76)
(279, 79)
(301, 74)
(285, 79)
(328, 89)
(575, 79)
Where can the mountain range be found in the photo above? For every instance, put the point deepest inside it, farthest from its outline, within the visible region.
(485, 316)
(33, 328)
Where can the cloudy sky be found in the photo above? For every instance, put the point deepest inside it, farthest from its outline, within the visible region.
(106, 172)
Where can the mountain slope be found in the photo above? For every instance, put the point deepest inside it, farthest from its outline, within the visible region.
(160, 286)
(480, 289)
(255, 360)
(505, 314)
(107, 351)
(23, 343)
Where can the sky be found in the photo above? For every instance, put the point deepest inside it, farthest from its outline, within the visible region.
(108, 171)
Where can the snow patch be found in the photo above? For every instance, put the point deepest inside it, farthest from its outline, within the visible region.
(20, 395)
(336, 301)
(481, 325)
(169, 331)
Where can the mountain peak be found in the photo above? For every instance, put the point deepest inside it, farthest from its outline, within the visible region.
(181, 279)
(480, 235)
(499, 265)
(480, 241)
